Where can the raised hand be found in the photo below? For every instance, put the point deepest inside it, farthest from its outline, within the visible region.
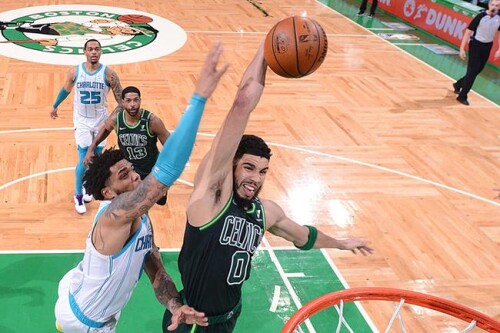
(88, 157)
(210, 75)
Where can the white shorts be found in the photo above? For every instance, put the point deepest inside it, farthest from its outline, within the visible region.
(86, 129)
(84, 137)
(67, 321)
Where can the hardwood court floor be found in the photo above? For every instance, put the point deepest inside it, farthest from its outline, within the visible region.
(373, 144)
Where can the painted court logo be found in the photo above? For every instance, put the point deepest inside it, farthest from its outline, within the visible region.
(56, 34)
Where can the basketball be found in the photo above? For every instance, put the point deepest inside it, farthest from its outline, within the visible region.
(295, 47)
(134, 19)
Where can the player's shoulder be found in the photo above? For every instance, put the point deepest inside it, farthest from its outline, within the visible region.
(270, 206)
(73, 69)
(153, 118)
(115, 115)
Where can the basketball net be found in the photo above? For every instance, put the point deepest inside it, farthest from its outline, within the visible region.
(473, 318)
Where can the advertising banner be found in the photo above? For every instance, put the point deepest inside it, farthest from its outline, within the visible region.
(440, 18)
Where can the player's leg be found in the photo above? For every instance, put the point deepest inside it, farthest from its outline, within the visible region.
(65, 319)
(83, 138)
(88, 197)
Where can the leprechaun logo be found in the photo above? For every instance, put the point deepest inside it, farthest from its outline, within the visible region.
(56, 34)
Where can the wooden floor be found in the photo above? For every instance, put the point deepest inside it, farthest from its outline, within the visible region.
(373, 144)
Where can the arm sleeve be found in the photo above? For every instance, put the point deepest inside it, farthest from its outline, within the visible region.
(175, 154)
(60, 97)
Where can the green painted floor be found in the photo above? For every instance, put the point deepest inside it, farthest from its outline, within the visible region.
(28, 292)
(487, 83)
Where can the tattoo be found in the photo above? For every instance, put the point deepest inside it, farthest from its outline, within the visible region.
(114, 83)
(116, 110)
(137, 202)
(164, 286)
(166, 292)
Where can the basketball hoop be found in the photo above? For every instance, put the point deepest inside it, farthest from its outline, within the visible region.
(473, 317)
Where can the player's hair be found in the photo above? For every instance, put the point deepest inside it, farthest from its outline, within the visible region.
(91, 40)
(97, 174)
(253, 145)
(130, 89)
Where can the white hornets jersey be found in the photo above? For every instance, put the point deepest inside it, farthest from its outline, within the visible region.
(101, 285)
(91, 91)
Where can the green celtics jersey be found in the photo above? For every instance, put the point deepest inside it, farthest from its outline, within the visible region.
(137, 142)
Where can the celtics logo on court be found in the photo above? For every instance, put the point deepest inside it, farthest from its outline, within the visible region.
(56, 34)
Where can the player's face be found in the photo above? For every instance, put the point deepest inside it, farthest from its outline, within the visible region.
(123, 179)
(93, 52)
(249, 174)
(132, 103)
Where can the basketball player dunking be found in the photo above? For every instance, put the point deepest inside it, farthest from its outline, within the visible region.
(227, 220)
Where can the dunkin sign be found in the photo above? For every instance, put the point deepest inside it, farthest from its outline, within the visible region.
(446, 23)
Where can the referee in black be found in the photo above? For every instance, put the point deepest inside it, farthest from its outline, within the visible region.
(480, 34)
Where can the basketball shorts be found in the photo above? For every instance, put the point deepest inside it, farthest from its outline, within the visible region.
(67, 322)
(86, 129)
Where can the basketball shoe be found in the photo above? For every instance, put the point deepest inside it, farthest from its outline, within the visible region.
(80, 204)
(86, 197)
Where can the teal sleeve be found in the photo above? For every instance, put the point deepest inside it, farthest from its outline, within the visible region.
(60, 97)
(175, 154)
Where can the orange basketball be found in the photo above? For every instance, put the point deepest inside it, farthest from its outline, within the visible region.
(295, 47)
(134, 19)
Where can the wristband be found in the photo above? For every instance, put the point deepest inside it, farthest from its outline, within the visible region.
(60, 97)
(311, 239)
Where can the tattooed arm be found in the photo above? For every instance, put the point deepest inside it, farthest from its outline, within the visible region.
(129, 206)
(163, 285)
(167, 294)
(114, 83)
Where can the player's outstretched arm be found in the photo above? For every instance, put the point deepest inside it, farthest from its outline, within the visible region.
(213, 176)
(64, 92)
(227, 139)
(172, 159)
(308, 237)
(167, 294)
